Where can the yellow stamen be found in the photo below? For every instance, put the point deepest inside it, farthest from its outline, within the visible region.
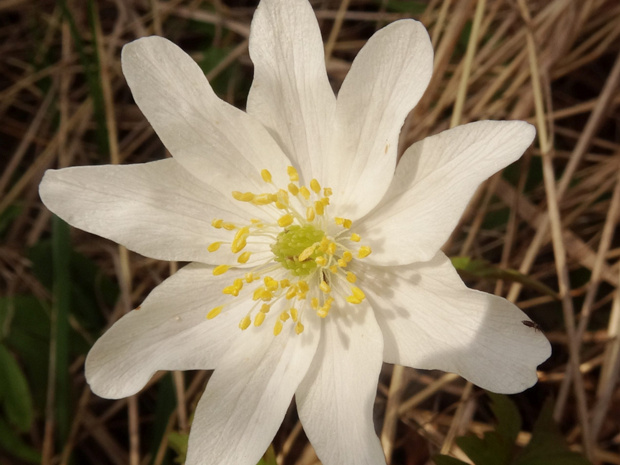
(214, 246)
(263, 199)
(321, 261)
(239, 242)
(245, 322)
(284, 283)
(355, 237)
(293, 189)
(303, 190)
(310, 214)
(259, 318)
(294, 314)
(314, 303)
(364, 251)
(347, 223)
(331, 248)
(306, 253)
(347, 256)
(270, 283)
(266, 175)
(319, 208)
(285, 220)
(353, 300)
(333, 268)
(351, 277)
(277, 328)
(265, 308)
(315, 186)
(357, 292)
(292, 173)
(228, 226)
(327, 191)
(299, 328)
(291, 292)
(214, 312)
(244, 257)
(342, 263)
(249, 277)
(220, 269)
(243, 196)
(217, 223)
(325, 287)
(284, 316)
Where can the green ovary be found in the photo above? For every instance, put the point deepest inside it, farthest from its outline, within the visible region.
(292, 242)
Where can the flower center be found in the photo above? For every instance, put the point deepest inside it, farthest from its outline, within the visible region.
(311, 261)
(297, 241)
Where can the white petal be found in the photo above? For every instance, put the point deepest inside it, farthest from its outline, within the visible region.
(213, 140)
(385, 82)
(434, 182)
(335, 400)
(156, 209)
(168, 332)
(431, 320)
(248, 395)
(291, 94)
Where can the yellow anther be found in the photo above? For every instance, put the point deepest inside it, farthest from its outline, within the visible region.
(354, 300)
(319, 208)
(285, 220)
(342, 263)
(214, 312)
(220, 269)
(333, 268)
(299, 328)
(249, 277)
(310, 214)
(306, 253)
(324, 243)
(284, 316)
(324, 309)
(281, 206)
(327, 191)
(339, 220)
(217, 223)
(303, 286)
(293, 189)
(325, 201)
(314, 303)
(245, 322)
(303, 190)
(364, 251)
(351, 277)
(270, 283)
(214, 246)
(347, 256)
(266, 295)
(331, 248)
(243, 196)
(231, 290)
(291, 292)
(315, 186)
(258, 292)
(292, 173)
(259, 318)
(229, 226)
(244, 257)
(325, 287)
(357, 292)
(347, 223)
(255, 221)
(284, 283)
(266, 175)
(293, 313)
(263, 199)
(321, 261)
(239, 242)
(277, 328)
(265, 308)
(355, 237)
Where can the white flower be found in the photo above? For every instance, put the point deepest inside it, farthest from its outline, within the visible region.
(357, 256)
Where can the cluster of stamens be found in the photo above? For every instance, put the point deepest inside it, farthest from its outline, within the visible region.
(307, 263)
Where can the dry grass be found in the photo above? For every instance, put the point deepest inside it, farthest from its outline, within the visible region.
(555, 63)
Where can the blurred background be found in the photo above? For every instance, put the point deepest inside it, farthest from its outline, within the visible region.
(542, 233)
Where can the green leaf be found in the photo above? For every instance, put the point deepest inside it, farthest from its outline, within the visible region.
(13, 444)
(547, 445)
(483, 269)
(178, 443)
(508, 417)
(447, 460)
(14, 392)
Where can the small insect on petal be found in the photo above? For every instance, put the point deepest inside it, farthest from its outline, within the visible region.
(531, 324)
